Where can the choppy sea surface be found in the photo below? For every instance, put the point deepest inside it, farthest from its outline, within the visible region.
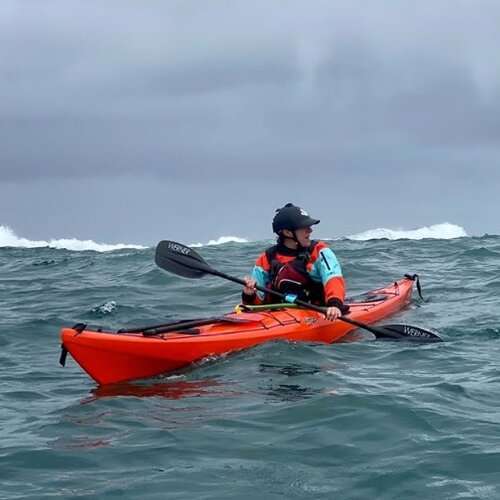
(355, 420)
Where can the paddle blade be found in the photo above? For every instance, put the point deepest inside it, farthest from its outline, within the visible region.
(406, 332)
(180, 259)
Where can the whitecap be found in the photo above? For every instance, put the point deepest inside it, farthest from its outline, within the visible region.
(444, 231)
(9, 239)
(106, 308)
(220, 241)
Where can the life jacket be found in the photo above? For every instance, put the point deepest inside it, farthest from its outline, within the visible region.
(292, 277)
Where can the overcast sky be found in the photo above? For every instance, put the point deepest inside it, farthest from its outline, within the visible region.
(137, 121)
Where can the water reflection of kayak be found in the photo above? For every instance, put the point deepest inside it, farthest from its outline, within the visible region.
(176, 389)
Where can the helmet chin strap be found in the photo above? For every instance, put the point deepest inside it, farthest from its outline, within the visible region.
(294, 238)
(299, 245)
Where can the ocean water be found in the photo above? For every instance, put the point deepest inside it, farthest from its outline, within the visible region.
(355, 420)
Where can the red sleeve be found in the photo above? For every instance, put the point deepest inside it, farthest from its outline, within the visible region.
(263, 262)
(335, 289)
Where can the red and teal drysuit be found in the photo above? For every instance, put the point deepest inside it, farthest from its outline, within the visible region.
(316, 269)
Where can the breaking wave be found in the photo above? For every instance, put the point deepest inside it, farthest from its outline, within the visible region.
(221, 241)
(9, 239)
(443, 231)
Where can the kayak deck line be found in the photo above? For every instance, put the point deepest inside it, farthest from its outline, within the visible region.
(180, 332)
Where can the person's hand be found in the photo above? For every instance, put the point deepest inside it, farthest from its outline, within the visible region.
(332, 313)
(249, 288)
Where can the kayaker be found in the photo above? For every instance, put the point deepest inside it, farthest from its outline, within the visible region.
(298, 265)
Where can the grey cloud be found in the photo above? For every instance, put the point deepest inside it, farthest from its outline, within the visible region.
(339, 93)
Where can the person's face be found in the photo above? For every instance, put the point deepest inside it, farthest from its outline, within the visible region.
(303, 235)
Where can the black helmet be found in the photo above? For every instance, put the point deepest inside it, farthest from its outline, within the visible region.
(291, 217)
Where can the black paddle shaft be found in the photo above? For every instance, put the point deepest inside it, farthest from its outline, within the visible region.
(184, 261)
(264, 289)
(415, 333)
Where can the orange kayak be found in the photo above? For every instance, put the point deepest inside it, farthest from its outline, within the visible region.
(111, 357)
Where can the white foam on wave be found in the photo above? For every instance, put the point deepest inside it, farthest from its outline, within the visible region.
(9, 239)
(220, 241)
(106, 308)
(444, 231)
